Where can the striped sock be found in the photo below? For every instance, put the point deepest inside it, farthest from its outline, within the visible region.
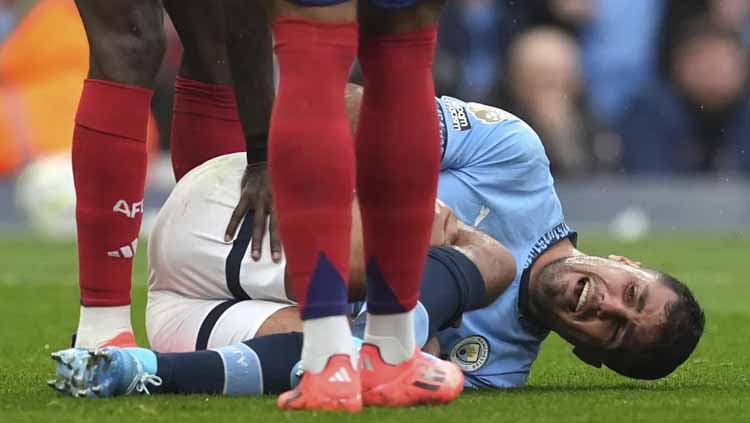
(243, 374)
(259, 366)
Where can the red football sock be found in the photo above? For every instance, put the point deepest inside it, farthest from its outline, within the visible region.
(109, 168)
(311, 159)
(205, 124)
(398, 159)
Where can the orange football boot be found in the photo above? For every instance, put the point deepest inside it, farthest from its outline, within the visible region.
(336, 388)
(421, 380)
(122, 340)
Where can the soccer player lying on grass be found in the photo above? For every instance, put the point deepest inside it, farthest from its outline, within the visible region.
(206, 293)
(466, 269)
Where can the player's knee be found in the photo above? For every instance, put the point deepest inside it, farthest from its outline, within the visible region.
(205, 59)
(201, 27)
(126, 39)
(283, 321)
(134, 58)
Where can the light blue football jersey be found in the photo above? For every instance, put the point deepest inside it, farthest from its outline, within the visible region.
(495, 175)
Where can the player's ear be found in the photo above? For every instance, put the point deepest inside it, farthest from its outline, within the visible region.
(588, 356)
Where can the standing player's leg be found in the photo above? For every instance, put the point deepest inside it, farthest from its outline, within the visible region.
(311, 163)
(226, 42)
(398, 158)
(205, 123)
(126, 43)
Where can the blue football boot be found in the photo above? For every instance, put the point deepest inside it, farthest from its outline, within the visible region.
(106, 372)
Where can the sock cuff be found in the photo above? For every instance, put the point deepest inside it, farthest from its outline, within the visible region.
(243, 374)
(204, 99)
(116, 109)
(302, 32)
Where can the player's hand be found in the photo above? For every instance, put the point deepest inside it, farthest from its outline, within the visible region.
(444, 226)
(256, 195)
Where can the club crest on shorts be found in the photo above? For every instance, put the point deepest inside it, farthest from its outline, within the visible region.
(470, 353)
(488, 114)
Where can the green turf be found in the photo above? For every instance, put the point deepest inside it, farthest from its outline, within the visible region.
(38, 298)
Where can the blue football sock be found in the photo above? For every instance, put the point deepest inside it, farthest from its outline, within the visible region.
(243, 374)
(278, 354)
(258, 366)
(200, 372)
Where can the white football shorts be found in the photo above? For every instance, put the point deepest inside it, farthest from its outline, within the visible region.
(204, 292)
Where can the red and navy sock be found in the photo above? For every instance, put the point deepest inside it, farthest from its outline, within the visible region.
(311, 159)
(205, 124)
(109, 169)
(398, 159)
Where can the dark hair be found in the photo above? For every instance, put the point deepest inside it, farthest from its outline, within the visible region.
(699, 28)
(679, 337)
(678, 18)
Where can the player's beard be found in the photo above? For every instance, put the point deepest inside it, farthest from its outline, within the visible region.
(546, 292)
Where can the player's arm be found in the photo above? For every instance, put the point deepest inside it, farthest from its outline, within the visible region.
(249, 48)
(475, 274)
(495, 264)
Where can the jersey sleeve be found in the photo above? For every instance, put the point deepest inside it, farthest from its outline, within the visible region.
(474, 134)
(496, 177)
(495, 170)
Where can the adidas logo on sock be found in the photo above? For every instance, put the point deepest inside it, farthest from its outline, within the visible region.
(341, 375)
(126, 251)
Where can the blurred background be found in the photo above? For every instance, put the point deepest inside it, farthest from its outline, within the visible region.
(643, 105)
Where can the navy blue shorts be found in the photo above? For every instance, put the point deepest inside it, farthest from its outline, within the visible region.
(385, 4)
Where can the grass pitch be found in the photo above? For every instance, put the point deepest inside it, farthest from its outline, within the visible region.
(39, 311)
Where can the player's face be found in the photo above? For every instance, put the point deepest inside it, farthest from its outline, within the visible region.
(601, 304)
